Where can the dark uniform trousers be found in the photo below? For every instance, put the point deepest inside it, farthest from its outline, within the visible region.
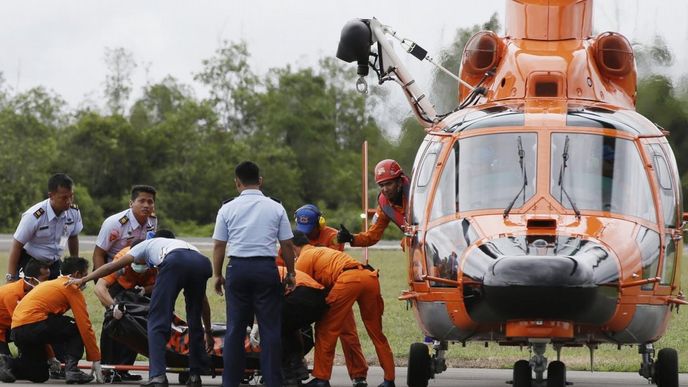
(253, 287)
(302, 307)
(181, 269)
(24, 258)
(31, 339)
(113, 352)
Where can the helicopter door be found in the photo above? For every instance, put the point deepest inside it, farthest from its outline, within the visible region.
(669, 199)
(424, 167)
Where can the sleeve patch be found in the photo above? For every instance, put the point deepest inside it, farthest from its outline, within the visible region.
(74, 207)
(114, 235)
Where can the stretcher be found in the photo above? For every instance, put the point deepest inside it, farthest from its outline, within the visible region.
(131, 331)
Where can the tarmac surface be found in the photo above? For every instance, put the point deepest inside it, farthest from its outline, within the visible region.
(453, 377)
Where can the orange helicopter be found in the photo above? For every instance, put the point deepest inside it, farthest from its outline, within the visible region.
(544, 210)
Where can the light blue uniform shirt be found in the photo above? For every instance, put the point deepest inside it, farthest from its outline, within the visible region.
(121, 230)
(252, 224)
(153, 251)
(44, 234)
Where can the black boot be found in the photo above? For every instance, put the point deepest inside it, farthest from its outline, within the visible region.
(73, 375)
(6, 375)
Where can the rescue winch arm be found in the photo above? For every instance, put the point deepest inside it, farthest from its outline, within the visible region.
(357, 37)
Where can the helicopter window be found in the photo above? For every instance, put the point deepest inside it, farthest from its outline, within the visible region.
(669, 261)
(444, 202)
(599, 174)
(501, 120)
(648, 241)
(598, 118)
(667, 195)
(444, 246)
(422, 178)
(490, 173)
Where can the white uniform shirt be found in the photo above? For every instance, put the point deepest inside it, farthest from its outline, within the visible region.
(45, 234)
(121, 230)
(153, 251)
(252, 224)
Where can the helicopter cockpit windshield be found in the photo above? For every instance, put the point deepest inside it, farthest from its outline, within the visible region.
(496, 170)
(602, 173)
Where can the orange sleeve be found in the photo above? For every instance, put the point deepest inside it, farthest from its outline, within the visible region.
(77, 303)
(110, 278)
(11, 302)
(374, 233)
(328, 238)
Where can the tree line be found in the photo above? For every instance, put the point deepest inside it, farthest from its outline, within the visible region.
(304, 127)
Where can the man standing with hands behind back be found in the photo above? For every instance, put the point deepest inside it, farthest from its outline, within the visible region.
(251, 224)
(46, 229)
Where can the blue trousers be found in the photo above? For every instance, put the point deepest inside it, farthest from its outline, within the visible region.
(253, 287)
(181, 269)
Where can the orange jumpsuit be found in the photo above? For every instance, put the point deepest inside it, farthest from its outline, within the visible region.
(52, 297)
(348, 282)
(10, 294)
(127, 277)
(356, 363)
(375, 231)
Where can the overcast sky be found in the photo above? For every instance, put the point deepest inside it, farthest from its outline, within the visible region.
(61, 44)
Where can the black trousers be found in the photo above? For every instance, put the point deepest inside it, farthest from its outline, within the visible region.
(31, 339)
(24, 258)
(302, 307)
(4, 345)
(112, 351)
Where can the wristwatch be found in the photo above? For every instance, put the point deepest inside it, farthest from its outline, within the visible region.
(11, 277)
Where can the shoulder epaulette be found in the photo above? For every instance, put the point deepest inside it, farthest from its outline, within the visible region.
(228, 200)
(39, 212)
(74, 207)
(275, 199)
(152, 215)
(123, 220)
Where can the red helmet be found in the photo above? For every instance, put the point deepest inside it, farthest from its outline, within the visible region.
(387, 169)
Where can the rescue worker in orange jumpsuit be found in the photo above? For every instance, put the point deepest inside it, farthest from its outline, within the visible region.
(35, 272)
(394, 191)
(39, 320)
(311, 222)
(347, 281)
(138, 278)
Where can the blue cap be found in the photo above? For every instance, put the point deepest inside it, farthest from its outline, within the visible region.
(307, 218)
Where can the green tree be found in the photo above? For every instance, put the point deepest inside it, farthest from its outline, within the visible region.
(120, 63)
(232, 86)
(106, 155)
(27, 150)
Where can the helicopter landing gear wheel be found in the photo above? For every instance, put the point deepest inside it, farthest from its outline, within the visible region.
(522, 374)
(418, 365)
(666, 368)
(556, 374)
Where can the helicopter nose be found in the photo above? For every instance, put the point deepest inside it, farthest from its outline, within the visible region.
(559, 271)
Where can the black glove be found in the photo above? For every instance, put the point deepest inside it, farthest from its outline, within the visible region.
(344, 235)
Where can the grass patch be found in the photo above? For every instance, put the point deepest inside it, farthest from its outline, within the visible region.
(401, 329)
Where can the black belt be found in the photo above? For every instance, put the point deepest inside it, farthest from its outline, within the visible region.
(257, 258)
